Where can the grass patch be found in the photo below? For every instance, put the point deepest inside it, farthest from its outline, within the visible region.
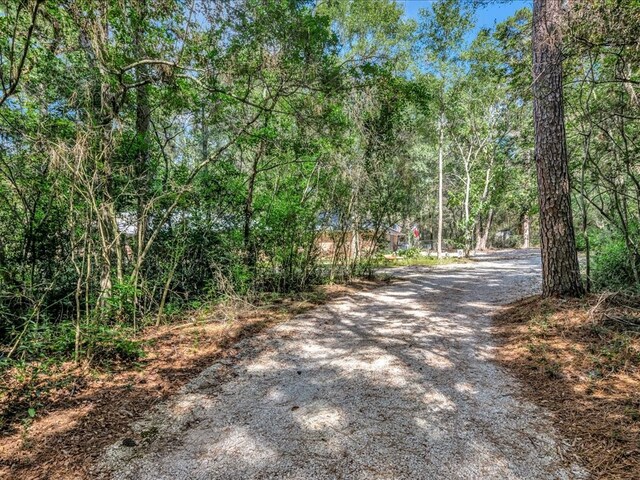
(417, 261)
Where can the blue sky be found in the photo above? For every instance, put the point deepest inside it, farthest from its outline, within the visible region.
(485, 16)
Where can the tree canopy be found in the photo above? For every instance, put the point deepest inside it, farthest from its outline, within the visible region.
(158, 155)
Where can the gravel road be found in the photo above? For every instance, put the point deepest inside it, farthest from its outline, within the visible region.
(393, 383)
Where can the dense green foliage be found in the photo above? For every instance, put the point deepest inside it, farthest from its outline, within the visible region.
(155, 155)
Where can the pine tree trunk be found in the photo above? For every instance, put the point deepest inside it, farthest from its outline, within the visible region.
(560, 270)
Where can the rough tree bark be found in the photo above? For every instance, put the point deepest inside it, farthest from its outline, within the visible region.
(560, 270)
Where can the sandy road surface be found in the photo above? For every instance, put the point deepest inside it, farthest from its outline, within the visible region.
(394, 383)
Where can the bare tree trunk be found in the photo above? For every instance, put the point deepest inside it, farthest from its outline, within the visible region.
(141, 167)
(440, 184)
(585, 218)
(143, 122)
(467, 216)
(526, 231)
(204, 131)
(249, 244)
(483, 235)
(477, 233)
(487, 229)
(560, 269)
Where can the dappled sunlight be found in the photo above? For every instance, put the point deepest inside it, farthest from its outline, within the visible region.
(436, 360)
(465, 387)
(398, 380)
(436, 401)
(239, 442)
(47, 429)
(268, 365)
(319, 416)
(276, 396)
(481, 306)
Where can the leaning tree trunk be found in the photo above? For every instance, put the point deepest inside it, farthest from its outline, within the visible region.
(560, 270)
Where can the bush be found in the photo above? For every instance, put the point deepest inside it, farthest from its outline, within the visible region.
(105, 344)
(510, 241)
(411, 252)
(594, 235)
(612, 267)
(101, 343)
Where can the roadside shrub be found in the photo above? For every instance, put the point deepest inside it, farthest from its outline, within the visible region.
(612, 267)
(102, 344)
(594, 235)
(512, 241)
(412, 252)
(105, 344)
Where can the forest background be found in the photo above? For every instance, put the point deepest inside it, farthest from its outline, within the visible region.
(159, 156)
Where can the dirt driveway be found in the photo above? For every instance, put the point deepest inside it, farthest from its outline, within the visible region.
(394, 383)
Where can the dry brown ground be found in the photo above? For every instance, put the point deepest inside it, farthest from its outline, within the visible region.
(581, 359)
(83, 410)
